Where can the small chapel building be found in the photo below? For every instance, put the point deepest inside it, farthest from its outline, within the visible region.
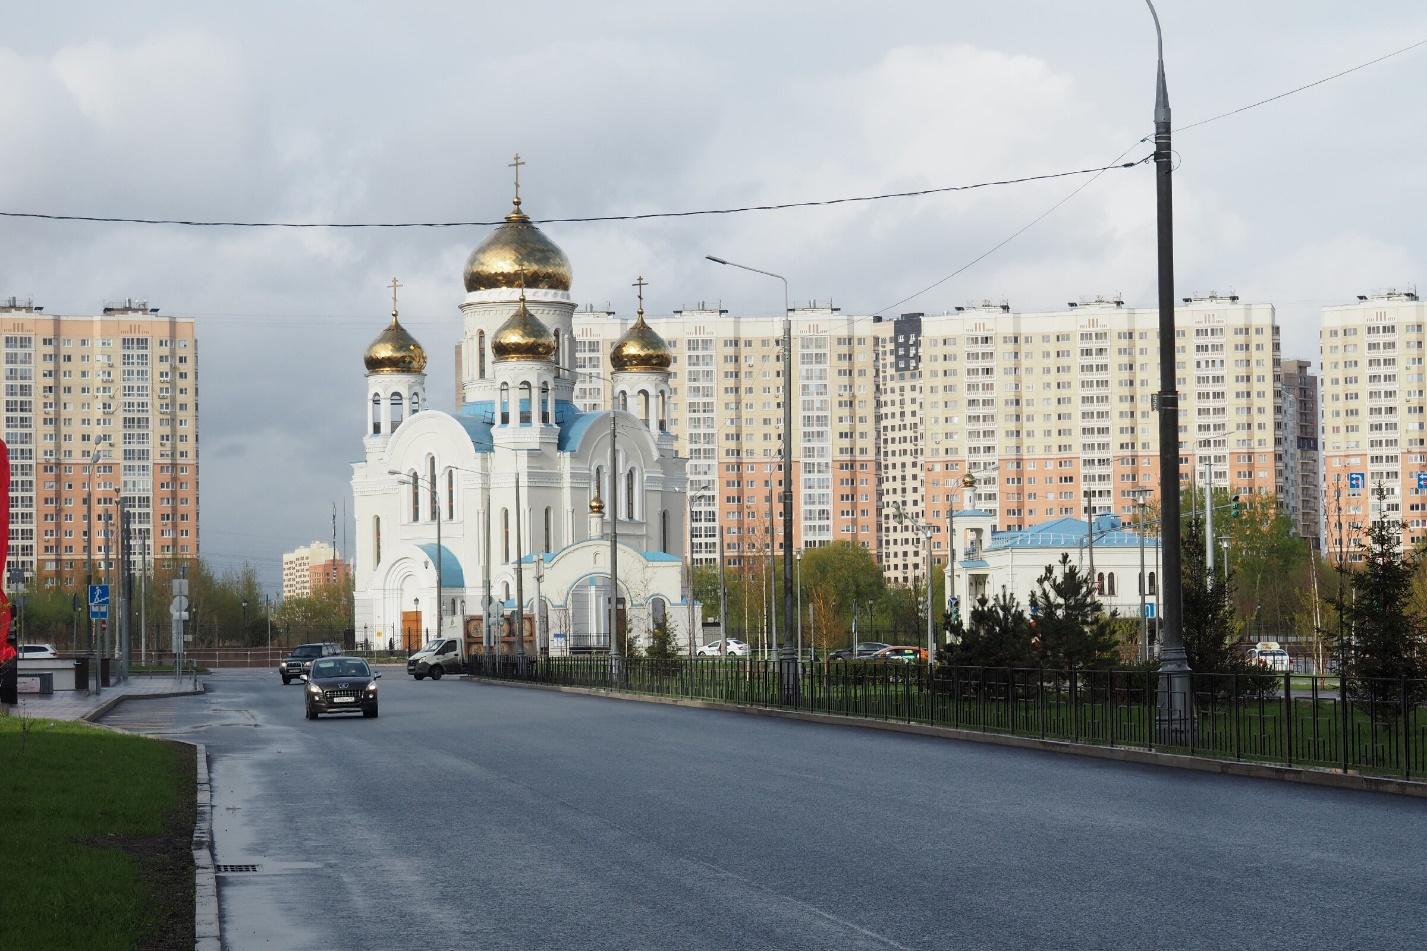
(494, 523)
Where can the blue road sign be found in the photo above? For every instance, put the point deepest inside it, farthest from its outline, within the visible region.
(98, 601)
(1421, 481)
(1149, 609)
(1357, 480)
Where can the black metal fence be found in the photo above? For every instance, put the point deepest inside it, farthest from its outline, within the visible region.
(1378, 728)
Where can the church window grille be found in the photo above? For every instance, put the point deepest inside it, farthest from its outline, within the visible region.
(504, 404)
(505, 536)
(450, 494)
(525, 397)
(545, 403)
(415, 498)
(481, 354)
(376, 414)
(396, 405)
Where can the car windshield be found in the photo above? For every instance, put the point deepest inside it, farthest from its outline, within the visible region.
(342, 667)
(307, 650)
(431, 647)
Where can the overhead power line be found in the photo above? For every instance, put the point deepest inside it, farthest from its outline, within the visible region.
(780, 206)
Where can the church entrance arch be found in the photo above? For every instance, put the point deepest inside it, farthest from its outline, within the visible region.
(589, 614)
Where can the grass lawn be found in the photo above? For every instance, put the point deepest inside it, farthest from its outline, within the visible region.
(96, 837)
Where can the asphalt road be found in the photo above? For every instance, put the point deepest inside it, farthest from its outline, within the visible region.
(480, 816)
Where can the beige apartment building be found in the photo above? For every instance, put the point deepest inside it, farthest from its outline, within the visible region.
(727, 419)
(1374, 417)
(108, 403)
(303, 566)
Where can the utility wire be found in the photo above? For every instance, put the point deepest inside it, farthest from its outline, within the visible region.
(783, 206)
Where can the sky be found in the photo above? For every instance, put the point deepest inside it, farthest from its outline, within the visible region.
(325, 111)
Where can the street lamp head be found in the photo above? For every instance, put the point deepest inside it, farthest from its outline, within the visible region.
(714, 259)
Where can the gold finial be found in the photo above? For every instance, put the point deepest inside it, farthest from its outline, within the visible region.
(640, 284)
(597, 503)
(516, 165)
(394, 285)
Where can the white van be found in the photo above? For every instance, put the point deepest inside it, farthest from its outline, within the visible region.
(436, 659)
(1269, 654)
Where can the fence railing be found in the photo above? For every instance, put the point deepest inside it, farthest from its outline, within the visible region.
(1375, 727)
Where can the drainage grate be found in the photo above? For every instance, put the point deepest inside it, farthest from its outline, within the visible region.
(230, 869)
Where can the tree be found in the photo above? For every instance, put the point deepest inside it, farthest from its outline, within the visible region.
(1383, 645)
(1067, 618)
(661, 642)
(1271, 564)
(839, 580)
(1209, 625)
(997, 633)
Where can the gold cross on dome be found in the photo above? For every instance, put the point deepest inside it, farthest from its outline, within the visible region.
(640, 283)
(394, 285)
(516, 165)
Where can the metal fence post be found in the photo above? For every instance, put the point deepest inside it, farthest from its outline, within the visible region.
(1288, 717)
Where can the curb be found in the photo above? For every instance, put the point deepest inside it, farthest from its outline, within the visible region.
(1293, 774)
(207, 928)
(107, 707)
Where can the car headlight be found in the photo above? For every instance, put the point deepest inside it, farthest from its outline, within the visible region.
(372, 687)
(315, 690)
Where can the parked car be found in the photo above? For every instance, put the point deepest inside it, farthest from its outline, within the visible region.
(38, 652)
(908, 655)
(1269, 654)
(729, 647)
(864, 650)
(436, 659)
(300, 660)
(340, 685)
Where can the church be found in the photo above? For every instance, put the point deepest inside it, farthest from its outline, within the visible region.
(499, 524)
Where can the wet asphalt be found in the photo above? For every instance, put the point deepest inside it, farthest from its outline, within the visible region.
(481, 816)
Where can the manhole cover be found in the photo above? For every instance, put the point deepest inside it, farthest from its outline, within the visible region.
(231, 869)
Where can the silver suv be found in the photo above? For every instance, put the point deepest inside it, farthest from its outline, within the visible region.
(300, 660)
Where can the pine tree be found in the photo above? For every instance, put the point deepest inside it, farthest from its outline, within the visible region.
(1210, 627)
(997, 634)
(1073, 629)
(1383, 643)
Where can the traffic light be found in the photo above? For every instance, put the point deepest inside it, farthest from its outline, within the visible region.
(1235, 507)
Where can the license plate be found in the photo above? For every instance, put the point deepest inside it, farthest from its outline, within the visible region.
(344, 699)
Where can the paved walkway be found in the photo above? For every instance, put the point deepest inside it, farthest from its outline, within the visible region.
(77, 704)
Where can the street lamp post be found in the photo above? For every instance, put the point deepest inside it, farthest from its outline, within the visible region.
(925, 530)
(790, 679)
(89, 560)
(800, 604)
(245, 620)
(1175, 698)
(415, 481)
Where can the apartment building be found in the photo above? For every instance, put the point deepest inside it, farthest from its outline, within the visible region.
(727, 418)
(101, 406)
(901, 449)
(302, 565)
(1374, 417)
(1302, 460)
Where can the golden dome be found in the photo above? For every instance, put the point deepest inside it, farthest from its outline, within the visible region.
(523, 336)
(514, 249)
(640, 348)
(395, 351)
(969, 480)
(597, 503)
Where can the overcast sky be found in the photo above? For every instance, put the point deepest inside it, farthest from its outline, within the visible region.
(380, 112)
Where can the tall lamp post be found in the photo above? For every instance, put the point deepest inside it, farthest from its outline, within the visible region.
(89, 558)
(790, 679)
(1175, 697)
(925, 530)
(412, 479)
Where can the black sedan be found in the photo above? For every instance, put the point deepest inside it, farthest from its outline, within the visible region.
(865, 650)
(341, 685)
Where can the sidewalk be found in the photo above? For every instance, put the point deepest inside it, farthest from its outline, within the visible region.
(79, 704)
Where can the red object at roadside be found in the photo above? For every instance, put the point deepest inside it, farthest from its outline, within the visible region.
(7, 650)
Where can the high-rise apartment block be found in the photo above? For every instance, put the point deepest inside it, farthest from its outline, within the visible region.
(309, 566)
(1052, 413)
(105, 407)
(1302, 458)
(1374, 417)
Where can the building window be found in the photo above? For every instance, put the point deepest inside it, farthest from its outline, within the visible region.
(505, 535)
(1110, 580)
(525, 404)
(664, 530)
(396, 404)
(629, 494)
(376, 539)
(504, 404)
(376, 414)
(644, 406)
(545, 403)
(431, 486)
(548, 524)
(450, 494)
(415, 498)
(481, 354)
(415, 403)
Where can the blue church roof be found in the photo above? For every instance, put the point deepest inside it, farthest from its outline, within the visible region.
(1070, 533)
(477, 419)
(972, 513)
(451, 574)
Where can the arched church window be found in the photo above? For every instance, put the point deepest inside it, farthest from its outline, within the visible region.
(415, 403)
(376, 414)
(433, 514)
(525, 404)
(376, 539)
(1100, 582)
(559, 349)
(658, 612)
(415, 497)
(481, 354)
(629, 494)
(396, 404)
(663, 412)
(548, 525)
(505, 535)
(644, 406)
(504, 404)
(1154, 584)
(545, 403)
(450, 494)
(664, 530)
(623, 401)
(1110, 582)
